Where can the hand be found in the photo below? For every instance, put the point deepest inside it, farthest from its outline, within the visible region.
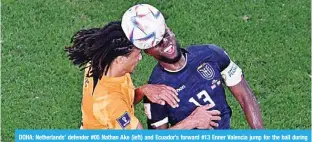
(204, 118)
(160, 94)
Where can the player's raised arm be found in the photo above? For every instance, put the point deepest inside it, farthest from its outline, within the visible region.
(159, 94)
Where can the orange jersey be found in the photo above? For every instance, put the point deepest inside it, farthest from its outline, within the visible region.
(110, 105)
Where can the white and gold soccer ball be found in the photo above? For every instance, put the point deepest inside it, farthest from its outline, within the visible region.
(143, 25)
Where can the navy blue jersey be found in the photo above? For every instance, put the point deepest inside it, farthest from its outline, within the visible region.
(198, 83)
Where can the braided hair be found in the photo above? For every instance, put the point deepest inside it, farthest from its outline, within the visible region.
(99, 47)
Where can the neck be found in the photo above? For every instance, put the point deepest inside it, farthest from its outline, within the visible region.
(175, 66)
(115, 72)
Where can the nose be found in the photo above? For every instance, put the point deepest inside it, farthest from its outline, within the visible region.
(165, 40)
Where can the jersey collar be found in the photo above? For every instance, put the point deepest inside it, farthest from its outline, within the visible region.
(184, 53)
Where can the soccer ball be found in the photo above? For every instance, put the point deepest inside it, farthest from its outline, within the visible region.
(143, 25)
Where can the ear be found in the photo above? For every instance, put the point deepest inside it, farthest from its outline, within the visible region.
(120, 59)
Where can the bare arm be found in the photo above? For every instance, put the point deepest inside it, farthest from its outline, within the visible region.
(187, 123)
(138, 95)
(200, 118)
(248, 102)
(157, 94)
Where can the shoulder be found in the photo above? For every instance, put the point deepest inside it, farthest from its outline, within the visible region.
(113, 90)
(209, 52)
(210, 49)
(102, 95)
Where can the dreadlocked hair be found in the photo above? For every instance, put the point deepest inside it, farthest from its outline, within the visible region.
(99, 47)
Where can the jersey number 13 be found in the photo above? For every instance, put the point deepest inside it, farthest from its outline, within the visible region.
(203, 95)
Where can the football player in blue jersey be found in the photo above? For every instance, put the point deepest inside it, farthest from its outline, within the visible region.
(198, 74)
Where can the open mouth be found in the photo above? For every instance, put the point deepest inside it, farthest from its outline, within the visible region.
(169, 49)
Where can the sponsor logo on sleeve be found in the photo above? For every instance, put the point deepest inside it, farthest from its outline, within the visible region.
(124, 120)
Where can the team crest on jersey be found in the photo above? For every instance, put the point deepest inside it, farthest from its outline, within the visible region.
(206, 71)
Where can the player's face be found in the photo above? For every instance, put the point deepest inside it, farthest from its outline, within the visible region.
(167, 50)
(132, 60)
